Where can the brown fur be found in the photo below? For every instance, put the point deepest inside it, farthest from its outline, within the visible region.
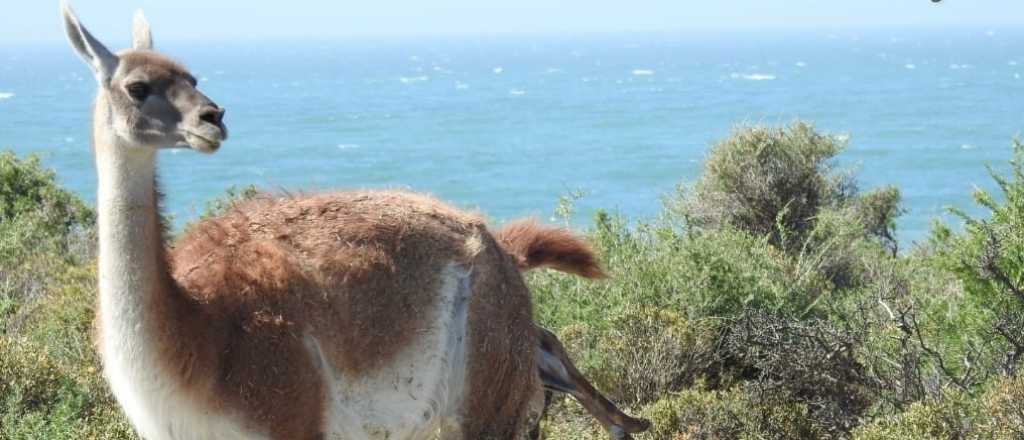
(501, 325)
(533, 245)
(359, 270)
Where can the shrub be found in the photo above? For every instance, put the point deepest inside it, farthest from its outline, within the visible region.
(1002, 414)
(725, 415)
(43, 228)
(997, 414)
(945, 418)
(28, 189)
(988, 258)
(808, 361)
(769, 182)
(737, 284)
(650, 351)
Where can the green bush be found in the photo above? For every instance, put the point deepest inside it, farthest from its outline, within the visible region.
(28, 189)
(725, 415)
(946, 418)
(997, 414)
(988, 258)
(738, 283)
(770, 182)
(37, 214)
(43, 227)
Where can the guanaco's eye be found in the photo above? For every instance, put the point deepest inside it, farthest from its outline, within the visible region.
(138, 90)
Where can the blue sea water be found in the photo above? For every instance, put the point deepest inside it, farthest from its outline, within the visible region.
(507, 124)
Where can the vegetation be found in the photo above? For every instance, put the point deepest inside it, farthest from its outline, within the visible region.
(768, 300)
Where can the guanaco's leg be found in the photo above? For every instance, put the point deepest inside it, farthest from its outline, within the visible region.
(558, 374)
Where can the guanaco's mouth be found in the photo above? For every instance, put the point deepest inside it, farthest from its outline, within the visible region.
(201, 143)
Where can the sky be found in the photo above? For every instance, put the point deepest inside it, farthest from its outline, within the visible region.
(23, 21)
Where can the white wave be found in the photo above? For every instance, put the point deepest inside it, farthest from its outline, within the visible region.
(551, 70)
(498, 70)
(960, 66)
(910, 66)
(517, 92)
(461, 85)
(348, 146)
(967, 147)
(413, 79)
(1016, 76)
(6, 95)
(754, 76)
(643, 72)
(801, 64)
(1011, 63)
(69, 139)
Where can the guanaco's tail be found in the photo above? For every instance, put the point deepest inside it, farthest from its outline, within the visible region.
(534, 245)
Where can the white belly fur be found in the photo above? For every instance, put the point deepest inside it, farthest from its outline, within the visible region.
(419, 395)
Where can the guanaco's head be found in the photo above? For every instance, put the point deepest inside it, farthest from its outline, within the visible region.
(152, 102)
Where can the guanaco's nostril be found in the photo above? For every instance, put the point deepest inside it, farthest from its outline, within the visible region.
(212, 115)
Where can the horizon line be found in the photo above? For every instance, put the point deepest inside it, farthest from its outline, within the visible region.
(717, 32)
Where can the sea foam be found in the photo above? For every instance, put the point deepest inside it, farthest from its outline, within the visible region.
(754, 76)
(6, 95)
(643, 72)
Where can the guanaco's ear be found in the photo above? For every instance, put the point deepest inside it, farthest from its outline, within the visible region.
(142, 37)
(102, 62)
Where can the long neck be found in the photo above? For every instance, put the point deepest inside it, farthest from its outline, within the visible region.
(132, 272)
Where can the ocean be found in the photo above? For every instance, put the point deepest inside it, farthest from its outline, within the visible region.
(507, 124)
